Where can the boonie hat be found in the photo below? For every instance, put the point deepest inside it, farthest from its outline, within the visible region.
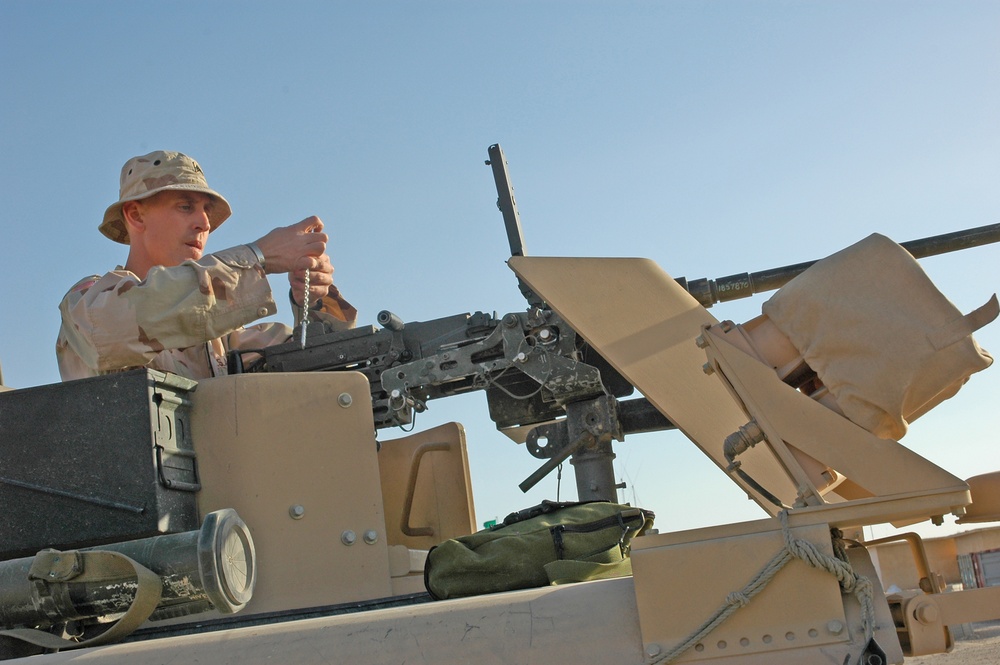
(150, 174)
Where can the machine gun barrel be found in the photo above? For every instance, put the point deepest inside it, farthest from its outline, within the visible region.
(743, 285)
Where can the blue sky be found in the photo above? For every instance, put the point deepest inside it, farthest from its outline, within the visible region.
(712, 137)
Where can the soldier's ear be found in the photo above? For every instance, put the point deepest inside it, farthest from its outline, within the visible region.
(132, 214)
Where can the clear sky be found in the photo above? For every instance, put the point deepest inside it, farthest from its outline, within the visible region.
(713, 137)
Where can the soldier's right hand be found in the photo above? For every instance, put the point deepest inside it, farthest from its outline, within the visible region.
(284, 247)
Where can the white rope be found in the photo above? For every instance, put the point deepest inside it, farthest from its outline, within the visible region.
(795, 548)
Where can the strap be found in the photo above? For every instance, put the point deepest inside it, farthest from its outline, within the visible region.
(96, 566)
(964, 326)
(567, 571)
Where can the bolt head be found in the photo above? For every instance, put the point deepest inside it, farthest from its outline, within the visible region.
(371, 536)
(345, 399)
(297, 511)
(348, 537)
(835, 627)
(926, 613)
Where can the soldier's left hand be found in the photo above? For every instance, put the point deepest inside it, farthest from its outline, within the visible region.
(320, 278)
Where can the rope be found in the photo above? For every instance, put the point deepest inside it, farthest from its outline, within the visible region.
(795, 548)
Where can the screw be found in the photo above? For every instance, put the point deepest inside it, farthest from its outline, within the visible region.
(653, 649)
(835, 627)
(707, 368)
(297, 511)
(348, 537)
(371, 536)
(344, 400)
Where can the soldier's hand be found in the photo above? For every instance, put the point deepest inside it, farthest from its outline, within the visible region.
(320, 278)
(295, 247)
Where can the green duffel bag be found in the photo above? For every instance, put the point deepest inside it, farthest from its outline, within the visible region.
(551, 543)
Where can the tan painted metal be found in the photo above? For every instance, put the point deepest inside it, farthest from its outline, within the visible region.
(648, 332)
(427, 495)
(923, 618)
(645, 325)
(801, 611)
(295, 455)
(985, 506)
(881, 468)
(426, 487)
(591, 622)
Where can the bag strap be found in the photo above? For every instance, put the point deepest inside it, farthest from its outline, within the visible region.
(51, 571)
(964, 326)
(567, 571)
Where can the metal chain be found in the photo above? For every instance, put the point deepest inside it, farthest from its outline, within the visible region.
(305, 309)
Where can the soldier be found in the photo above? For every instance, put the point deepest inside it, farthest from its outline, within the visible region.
(174, 309)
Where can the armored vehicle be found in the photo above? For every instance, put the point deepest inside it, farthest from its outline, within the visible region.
(258, 517)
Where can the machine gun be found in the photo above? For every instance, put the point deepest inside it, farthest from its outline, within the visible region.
(544, 385)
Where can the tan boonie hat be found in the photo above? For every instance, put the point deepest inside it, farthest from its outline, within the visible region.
(153, 173)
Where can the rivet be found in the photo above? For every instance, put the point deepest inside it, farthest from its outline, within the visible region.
(344, 399)
(348, 537)
(296, 511)
(371, 536)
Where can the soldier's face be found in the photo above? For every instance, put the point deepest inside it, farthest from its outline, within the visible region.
(176, 226)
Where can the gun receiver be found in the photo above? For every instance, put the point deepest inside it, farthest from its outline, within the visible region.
(530, 363)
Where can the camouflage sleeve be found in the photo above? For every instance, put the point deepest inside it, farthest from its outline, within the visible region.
(118, 321)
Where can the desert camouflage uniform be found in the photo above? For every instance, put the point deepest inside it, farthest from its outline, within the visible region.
(182, 319)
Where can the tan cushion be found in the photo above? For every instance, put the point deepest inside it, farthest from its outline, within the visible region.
(878, 333)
